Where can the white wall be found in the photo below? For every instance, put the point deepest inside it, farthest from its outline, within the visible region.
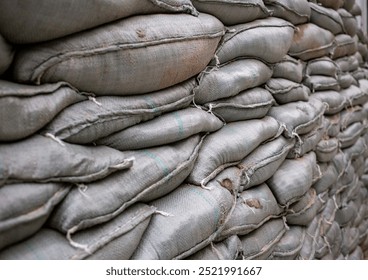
(362, 21)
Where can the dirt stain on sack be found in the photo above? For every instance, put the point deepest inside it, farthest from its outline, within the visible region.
(141, 33)
(254, 203)
(227, 184)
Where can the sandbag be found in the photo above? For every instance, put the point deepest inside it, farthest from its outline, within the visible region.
(348, 4)
(344, 46)
(311, 41)
(254, 207)
(259, 244)
(285, 91)
(6, 55)
(249, 104)
(332, 240)
(177, 235)
(319, 82)
(326, 149)
(298, 117)
(294, 178)
(350, 135)
(229, 249)
(351, 115)
(266, 39)
(355, 95)
(42, 159)
(357, 254)
(335, 101)
(329, 176)
(290, 244)
(326, 18)
(289, 68)
(363, 85)
(25, 207)
(360, 74)
(45, 20)
(308, 250)
(363, 50)
(156, 172)
(322, 66)
(296, 12)
(126, 50)
(232, 12)
(356, 10)
(334, 125)
(347, 63)
(334, 4)
(307, 142)
(230, 79)
(24, 109)
(163, 130)
(356, 150)
(350, 23)
(263, 162)
(346, 80)
(88, 121)
(346, 214)
(229, 145)
(115, 240)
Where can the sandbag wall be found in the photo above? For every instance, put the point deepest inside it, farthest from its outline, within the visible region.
(180, 129)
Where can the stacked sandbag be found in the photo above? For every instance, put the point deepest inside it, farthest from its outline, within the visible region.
(177, 129)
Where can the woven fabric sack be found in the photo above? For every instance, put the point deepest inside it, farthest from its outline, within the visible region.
(115, 240)
(177, 235)
(24, 109)
(165, 129)
(311, 41)
(6, 55)
(249, 104)
(335, 101)
(322, 66)
(327, 18)
(232, 12)
(286, 91)
(266, 39)
(25, 207)
(44, 20)
(229, 145)
(44, 159)
(230, 79)
(113, 58)
(289, 68)
(156, 172)
(90, 120)
(296, 12)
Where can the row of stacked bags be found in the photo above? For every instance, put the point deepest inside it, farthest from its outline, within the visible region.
(178, 129)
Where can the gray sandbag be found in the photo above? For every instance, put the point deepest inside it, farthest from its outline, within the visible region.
(25, 207)
(350, 22)
(356, 10)
(335, 101)
(232, 12)
(334, 4)
(359, 56)
(357, 254)
(332, 240)
(254, 207)
(156, 172)
(350, 135)
(344, 46)
(285, 91)
(290, 244)
(326, 149)
(311, 41)
(115, 240)
(88, 121)
(24, 109)
(360, 74)
(346, 80)
(322, 66)
(229, 249)
(346, 214)
(229, 145)
(43, 159)
(230, 79)
(294, 178)
(45, 20)
(289, 68)
(302, 212)
(249, 104)
(299, 117)
(351, 115)
(307, 142)
(340, 162)
(126, 50)
(165, 129)
(259, 244)
(327, 215)
(350, 240)
(363, 50)
(6, 55)
(334, 125)
(361, 213)
(263, 162)
(326, 18)
(178, 235)
(266, 39)
(348, 63)
(308, 250)
(357, 149)
(321, 83)
(355, 95)
(296, 12)
(329, 176)
(348, 4)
